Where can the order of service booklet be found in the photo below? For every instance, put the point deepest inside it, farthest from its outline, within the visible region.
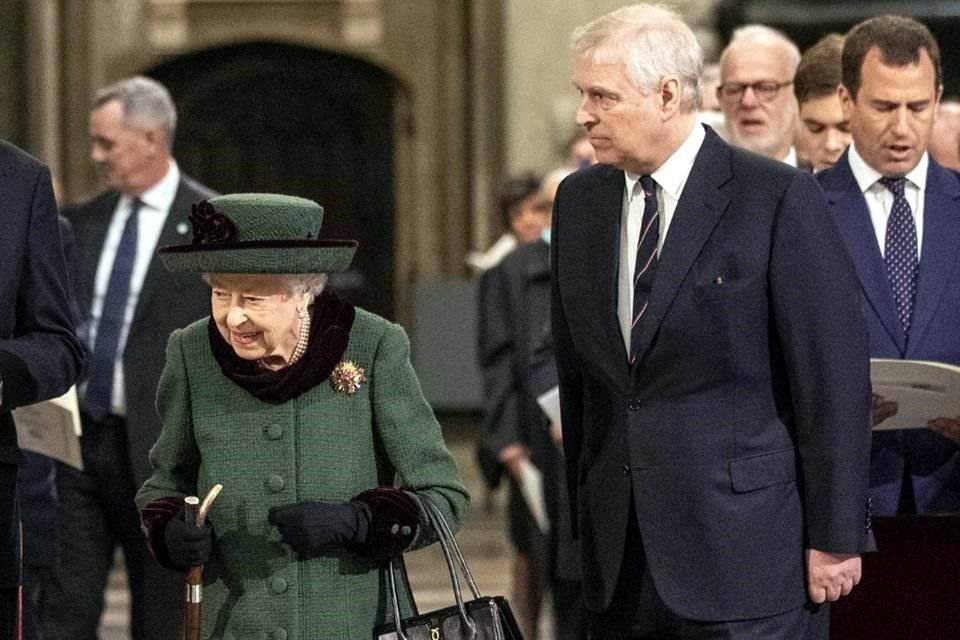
(922, 390)
(52, 428)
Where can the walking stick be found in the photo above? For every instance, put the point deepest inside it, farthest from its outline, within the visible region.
(195, 512)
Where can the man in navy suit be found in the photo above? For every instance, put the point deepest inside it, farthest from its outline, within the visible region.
(147, 204)
(899, 214)
(712, 361)
(40, 357)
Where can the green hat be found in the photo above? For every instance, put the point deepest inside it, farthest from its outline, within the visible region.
(258, 233)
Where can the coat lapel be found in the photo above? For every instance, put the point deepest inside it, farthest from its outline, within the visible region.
(853, 218)
(176, 230)
(941, 239)
(701, 205)
(597, 260)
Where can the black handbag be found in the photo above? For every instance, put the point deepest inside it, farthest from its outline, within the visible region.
(483, 618)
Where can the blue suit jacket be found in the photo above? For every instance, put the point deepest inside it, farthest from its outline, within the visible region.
(40, 357)
(741, 436)
(934, 334)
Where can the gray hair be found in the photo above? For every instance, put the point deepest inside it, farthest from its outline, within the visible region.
(763, 35)
(653, 41)
(144, 101)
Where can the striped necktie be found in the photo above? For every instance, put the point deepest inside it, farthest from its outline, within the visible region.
(646, 265)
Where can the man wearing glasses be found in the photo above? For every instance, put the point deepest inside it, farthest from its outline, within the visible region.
(756, 70)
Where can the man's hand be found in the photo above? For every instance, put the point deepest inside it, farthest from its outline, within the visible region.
(831, 575)
(883, 409)
(511, 457)
(947, 427)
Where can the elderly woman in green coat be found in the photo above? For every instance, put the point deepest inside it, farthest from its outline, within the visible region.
(308, 412)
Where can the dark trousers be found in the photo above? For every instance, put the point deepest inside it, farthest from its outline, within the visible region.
(638, 613)
(96, 513)
(9, 549)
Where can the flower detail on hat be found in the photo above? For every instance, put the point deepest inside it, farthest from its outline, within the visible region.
(347, 377)
(210, 225)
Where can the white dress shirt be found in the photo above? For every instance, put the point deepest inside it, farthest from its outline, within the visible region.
(670, 178)
(880, 199)
(150, 220)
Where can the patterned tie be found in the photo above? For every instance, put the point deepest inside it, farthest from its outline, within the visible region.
(99, 394)
(646, 267)
(900, 251)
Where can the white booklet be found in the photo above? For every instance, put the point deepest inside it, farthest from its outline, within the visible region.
(52, 428)
(531, 487)
(922, 390)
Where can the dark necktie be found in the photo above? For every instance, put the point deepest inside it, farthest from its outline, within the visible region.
(900, 251)
(646, 266)
(99, 394)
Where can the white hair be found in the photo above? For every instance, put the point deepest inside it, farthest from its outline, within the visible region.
(760, 34)
(653, 41)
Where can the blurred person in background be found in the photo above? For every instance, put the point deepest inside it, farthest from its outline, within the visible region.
(823, 133)
(130, 305)
(512, 308)
(760, 110)
(945, 139)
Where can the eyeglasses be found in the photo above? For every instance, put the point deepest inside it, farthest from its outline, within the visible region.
(765, 90)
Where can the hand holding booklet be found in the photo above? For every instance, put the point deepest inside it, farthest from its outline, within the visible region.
(922, 390)
(52, 428)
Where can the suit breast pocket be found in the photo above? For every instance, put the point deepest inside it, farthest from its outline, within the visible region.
(719, 289)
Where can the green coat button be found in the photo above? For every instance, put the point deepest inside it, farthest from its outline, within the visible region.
(275, 483)
(274, 431)
(279, 634)
(278, 585)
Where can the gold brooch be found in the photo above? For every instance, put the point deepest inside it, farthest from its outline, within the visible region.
(347, 377)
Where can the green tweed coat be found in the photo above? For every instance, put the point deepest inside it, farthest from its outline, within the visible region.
(324, 445)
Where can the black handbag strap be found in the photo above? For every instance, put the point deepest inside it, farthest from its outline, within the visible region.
(451, 551)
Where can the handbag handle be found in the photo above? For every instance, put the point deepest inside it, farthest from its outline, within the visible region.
(451, 550)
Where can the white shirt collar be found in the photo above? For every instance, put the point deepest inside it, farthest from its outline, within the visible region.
(866, 176)
(673, 173)
(160, 196)
(791, 157)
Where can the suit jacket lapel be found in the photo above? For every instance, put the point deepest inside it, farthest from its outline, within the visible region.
(853, 218)
(701, 205)
(176, 230)
(941, 239)
(597, 258)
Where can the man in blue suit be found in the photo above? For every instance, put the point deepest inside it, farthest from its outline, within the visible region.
(712, 361)
(899, 214)
(40, 357)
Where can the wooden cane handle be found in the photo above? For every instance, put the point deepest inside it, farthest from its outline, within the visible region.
(207, 503)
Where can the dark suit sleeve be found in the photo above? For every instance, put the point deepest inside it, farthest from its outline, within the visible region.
(543, 366)
(568, 369)
(43, 356)
(823, 341)
(497, 352)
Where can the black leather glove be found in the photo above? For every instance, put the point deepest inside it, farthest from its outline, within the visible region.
(314, 527)
(187, 544)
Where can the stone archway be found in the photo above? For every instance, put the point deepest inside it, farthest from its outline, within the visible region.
(264, 116)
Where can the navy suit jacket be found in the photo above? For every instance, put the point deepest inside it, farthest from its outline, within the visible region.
(167, 301)
(934, 332)
(40, 356)
(741, 435)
